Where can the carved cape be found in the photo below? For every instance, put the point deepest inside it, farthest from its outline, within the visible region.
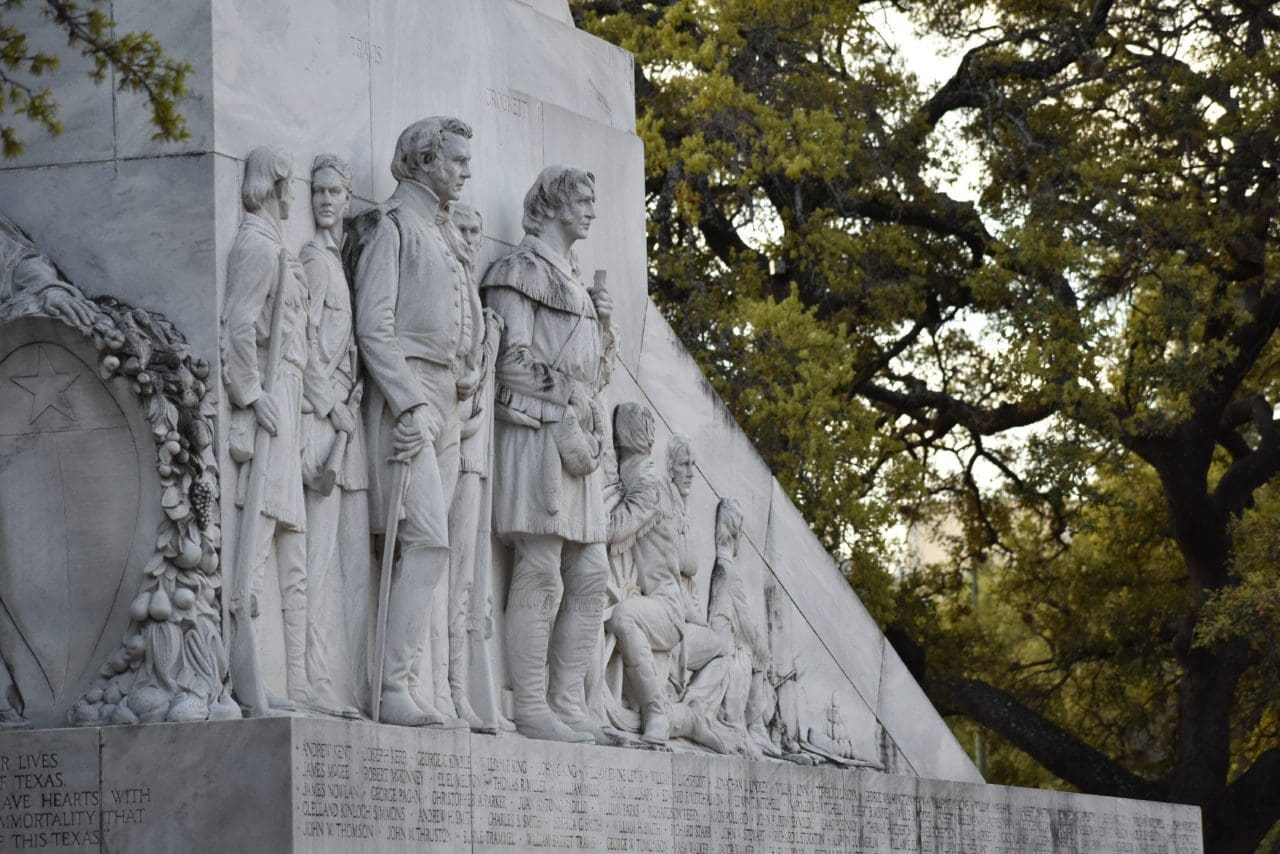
(553, 343)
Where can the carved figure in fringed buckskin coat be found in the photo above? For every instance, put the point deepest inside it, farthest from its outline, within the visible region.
(553, 362)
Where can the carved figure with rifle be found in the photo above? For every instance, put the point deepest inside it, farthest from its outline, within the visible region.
(549, 438)
(264, 355)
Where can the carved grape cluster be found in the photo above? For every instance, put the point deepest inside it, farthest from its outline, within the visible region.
(203, 494)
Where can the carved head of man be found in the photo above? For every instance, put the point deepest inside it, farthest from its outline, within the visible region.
(470, 225)
(563, 199)
(267, 187)
(728, 527)
(633, 426)
(680, 463)
(330, 190)
(435, 152)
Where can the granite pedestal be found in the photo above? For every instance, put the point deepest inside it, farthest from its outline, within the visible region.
(306, 786)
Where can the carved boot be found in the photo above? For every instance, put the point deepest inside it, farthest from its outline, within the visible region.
(759, 702)
(295, 654)
(407, 613)
(441, 698)
(528, 638)
(458, 675)
(438, 653)
(645, 685)
(577, 633)
(689, 720)
(243, 651)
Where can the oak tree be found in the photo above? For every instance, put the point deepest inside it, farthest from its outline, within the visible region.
(1067, 377)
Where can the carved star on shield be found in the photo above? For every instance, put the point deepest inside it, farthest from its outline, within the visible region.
(47, 387)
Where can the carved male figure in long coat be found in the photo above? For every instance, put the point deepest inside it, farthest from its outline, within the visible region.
(254, 285)
(334, 465)
(460, 620)
(553, 362)
(418, 327)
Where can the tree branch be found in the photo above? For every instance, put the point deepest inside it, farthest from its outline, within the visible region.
(1237, 414)
(954, 219)
(973, 83)
(1234, 492)
(1053, 747)
(947, 411)
(882, 360)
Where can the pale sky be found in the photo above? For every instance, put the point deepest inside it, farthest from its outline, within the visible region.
(933, 61)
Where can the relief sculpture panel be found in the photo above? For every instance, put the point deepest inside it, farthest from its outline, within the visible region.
(396, 415)
(109, 530)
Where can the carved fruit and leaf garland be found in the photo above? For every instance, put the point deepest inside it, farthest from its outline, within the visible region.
(171, 664)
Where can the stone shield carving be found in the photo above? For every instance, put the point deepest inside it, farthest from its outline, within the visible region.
(109, 536)
(75, 532)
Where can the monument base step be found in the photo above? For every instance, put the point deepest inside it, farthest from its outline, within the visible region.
(295, 785)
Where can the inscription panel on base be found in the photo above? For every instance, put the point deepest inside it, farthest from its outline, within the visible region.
(49, 794)
(383, 789)
(559, 797)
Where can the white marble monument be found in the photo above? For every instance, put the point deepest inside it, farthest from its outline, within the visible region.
(403, 508)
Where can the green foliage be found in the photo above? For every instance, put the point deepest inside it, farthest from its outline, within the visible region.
(1250, 610)
(135, 61)
(822, 441)
(1061, 385)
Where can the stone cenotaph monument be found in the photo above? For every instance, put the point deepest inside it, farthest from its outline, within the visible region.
(355, 497)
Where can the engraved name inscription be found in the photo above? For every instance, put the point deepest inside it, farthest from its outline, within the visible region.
(583, 801)
(507, 102)
(365, 51)
(391, 794)
(729, 810)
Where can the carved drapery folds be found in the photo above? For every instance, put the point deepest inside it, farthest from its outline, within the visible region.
(408, 433)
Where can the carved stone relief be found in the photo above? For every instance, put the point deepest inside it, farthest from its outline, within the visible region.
(334, 463)
(265, 353)
(553, 361)
(108, 509)
(388, 430)
(420, 332)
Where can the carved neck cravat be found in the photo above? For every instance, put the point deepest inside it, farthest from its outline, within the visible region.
(433, 207)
